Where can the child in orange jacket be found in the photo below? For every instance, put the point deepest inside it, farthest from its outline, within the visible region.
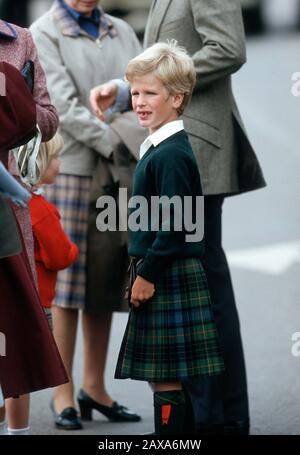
(53, 250)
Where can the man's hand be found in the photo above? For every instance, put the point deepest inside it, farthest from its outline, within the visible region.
(103, 97)
(142, 290)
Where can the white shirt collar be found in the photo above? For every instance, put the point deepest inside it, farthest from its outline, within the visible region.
(160, 135)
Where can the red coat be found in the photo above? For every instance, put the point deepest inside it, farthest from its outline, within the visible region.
(53, 250)
(31, 361)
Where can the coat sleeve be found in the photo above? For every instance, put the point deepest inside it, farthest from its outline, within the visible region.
(47, 117)
(75, 118)
(220, 26)
(56, 249)
(123, 101)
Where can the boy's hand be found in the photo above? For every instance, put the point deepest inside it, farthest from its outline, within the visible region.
(103, 97)
(142, 290)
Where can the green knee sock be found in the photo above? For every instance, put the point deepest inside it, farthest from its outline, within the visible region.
(169, 412)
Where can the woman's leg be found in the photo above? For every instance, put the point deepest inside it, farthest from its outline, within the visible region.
(96, 331)
(169, 409)
(17, 410)
(64, 329)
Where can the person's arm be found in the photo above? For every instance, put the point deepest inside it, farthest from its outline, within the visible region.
(123, 99)
(114, 95)
(47, 117)
(220, 26)
(76, 119)
(11, 189)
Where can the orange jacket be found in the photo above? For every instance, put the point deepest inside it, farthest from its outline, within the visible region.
(53, 250)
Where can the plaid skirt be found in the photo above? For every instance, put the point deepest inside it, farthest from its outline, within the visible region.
(173, 336)
(71, 195)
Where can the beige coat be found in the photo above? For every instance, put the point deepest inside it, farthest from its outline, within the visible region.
(75, 63)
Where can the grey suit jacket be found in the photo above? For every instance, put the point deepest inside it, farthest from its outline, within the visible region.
(212, 32)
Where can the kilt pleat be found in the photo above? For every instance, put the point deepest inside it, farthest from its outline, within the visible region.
(71, 195)
(173, 335)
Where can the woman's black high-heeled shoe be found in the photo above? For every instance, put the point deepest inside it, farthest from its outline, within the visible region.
(67, 420)
(115, 413)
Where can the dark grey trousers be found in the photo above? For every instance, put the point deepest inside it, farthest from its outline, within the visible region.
(224, 398)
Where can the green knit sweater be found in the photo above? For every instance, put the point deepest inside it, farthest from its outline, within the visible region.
(170, 169)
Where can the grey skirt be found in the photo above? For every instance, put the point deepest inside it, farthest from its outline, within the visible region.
(71, 195)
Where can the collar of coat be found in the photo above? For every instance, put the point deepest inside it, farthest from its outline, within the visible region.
(69, 27)
(7, 31)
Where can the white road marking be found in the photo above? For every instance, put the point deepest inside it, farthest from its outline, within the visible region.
(272, 259)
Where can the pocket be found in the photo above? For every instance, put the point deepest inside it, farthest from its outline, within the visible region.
(203, 130)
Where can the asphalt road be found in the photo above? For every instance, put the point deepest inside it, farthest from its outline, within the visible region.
(261, 236)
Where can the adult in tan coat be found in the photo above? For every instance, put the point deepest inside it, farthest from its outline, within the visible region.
(79, 45)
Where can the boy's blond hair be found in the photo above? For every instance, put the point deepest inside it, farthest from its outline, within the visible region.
(170, 64)
(47, 151)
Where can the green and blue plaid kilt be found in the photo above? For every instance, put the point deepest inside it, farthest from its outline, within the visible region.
(172, 336)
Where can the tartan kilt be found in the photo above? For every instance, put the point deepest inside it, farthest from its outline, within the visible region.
(173, 336)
